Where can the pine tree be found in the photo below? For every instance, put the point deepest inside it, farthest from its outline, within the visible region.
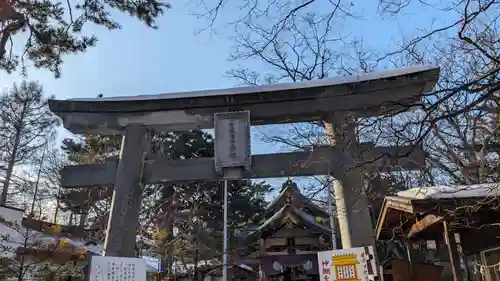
(93, 149)
(26, 124)
(195, 210)
(48, 30)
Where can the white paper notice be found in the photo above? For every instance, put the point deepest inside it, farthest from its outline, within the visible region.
(104, 268)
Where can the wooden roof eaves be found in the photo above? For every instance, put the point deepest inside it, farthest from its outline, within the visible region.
(296, 192)
(287, 212)
(44, 227)
(52, 255)
(428, 211)
(398, 203)
(440, 204)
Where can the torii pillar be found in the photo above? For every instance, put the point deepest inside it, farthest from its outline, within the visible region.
(127, 194)
(350, 199)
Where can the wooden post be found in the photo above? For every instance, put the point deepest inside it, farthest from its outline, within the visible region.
(262, 247)
(125, 205)
(451, 244)
(410, 259)
(351, 202)
(87, 269)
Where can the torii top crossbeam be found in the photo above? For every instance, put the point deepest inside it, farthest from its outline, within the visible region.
(367, 95)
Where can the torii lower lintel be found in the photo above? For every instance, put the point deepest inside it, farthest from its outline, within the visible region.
(307, 163)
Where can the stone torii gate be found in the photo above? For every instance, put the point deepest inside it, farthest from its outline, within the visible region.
(336, 102)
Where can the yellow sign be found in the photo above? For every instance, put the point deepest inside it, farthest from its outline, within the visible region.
(353, 264)
(344, 267)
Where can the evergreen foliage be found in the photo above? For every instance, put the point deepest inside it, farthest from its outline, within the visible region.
(45, 31)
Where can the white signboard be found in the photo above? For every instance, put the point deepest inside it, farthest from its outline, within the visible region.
(355, 264)
(232, 140)
(104, 268)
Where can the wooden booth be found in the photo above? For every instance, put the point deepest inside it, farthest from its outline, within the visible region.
(462, 222)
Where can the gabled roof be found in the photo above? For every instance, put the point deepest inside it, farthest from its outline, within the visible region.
(290, 189)
(456, 192)
(415, 211)
(296, 216)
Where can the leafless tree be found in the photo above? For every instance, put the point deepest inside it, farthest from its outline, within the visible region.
(453, 123)
(26, 125)
(456, 124)
(27, 253)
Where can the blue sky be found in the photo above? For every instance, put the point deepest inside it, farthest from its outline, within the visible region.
(137, 60)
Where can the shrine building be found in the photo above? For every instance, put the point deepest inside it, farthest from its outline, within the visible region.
(285, 245)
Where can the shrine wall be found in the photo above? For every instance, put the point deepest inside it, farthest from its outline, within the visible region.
(274, 241)
(306, 240)
(291, 233)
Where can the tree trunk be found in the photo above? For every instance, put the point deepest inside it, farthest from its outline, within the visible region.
(10, 169)
(12, 160)
(196, 261)
(167, 222)
(56, 212)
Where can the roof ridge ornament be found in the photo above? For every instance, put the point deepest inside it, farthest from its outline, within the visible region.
(289, 183)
